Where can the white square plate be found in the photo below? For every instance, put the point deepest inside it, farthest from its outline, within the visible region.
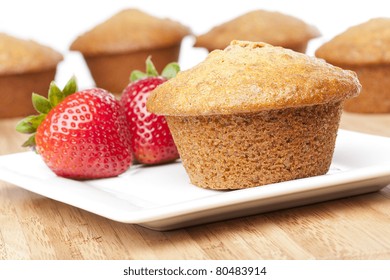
(162, 198)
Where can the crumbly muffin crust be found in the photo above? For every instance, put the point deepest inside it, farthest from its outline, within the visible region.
(259, 26)
(250, 77)
(130, 30)
(247, 150)
(25, 56)
(364, 44)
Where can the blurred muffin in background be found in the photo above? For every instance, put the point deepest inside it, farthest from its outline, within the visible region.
(121, 44)
(25, 67)
(365, 49)
(260, 26)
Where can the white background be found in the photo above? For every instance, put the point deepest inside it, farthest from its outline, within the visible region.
(57, 23)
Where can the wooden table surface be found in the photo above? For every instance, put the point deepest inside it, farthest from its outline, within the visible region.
(35, 227)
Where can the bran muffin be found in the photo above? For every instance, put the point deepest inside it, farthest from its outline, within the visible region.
(260, 26)
(254, 114)
(364, 48)
(25, 67)
(121, 44)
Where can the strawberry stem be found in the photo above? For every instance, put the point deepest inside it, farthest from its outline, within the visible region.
(30, 124)
(168, 72)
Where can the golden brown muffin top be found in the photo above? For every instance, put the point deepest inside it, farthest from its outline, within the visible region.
(251, 77)
(259, 26)
(130, 30)
(22, 56)
(363, 44)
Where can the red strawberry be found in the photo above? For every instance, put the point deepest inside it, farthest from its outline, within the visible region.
(80, 135)
(151, 142)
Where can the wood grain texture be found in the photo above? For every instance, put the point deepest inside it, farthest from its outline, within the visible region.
(35, 227)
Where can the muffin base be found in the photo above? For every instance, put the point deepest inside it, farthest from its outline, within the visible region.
(375, 95)
(112, 72)
(248, 150)
(16, 90)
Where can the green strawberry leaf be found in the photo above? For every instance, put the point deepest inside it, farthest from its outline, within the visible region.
(171, 70)
(30, 142)
(151, 70)
(30, 124)
(137, 75)
(55, 95)
(40, 103)
(70, 87)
